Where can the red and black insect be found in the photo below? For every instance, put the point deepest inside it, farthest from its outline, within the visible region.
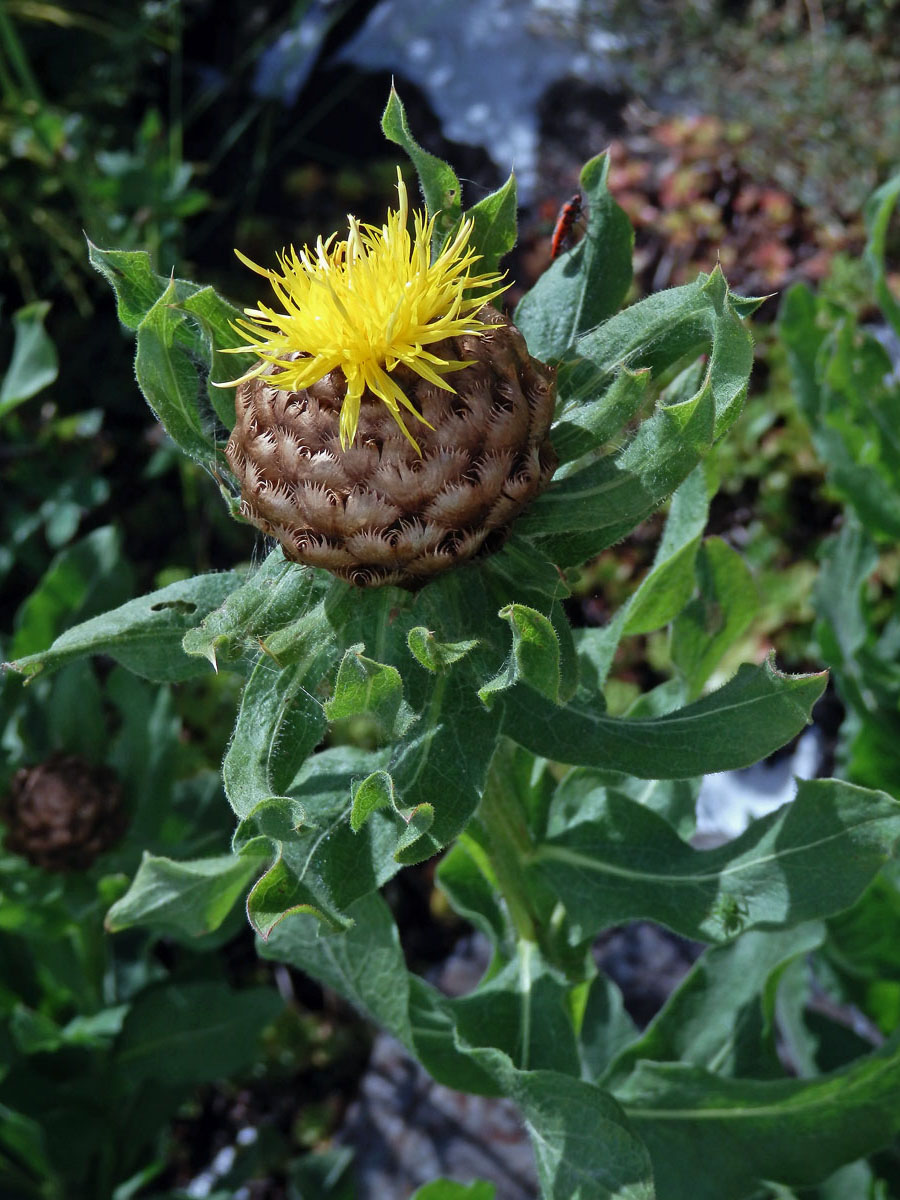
(569, 214)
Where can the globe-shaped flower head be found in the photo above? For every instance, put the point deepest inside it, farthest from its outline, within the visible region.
(368, 334)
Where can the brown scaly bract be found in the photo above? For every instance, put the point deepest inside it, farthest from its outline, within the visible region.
(377, 512)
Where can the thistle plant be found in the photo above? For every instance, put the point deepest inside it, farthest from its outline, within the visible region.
(390, 426)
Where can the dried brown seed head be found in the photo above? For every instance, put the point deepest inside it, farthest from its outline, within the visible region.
(61, 814)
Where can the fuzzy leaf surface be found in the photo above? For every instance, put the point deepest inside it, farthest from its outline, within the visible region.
(588, 283)
(714, 1017)
(711, 1138)
(805, 861)
(755, 713)
(184, 897)
(280, 722)
(494, 232)
(145, 634)
(590, 508)
(440, 186)
(168, 377)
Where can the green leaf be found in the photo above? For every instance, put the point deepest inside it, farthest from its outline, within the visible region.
(193, 1033)
(494, 232)
(364, 686)
(131, 276)
(523, 1011)
(321, 863)
(877, 213)
(442, 762)
(725, 606)
(433, 655)
(34, 363)
(802, 336)
(610, 496)
(714, 1018)
(584, 1145)
(187, 898)
(374, 792)
(80, 580)
(534, 658)
(606, 1028)
(144, 635)
(24, 1141)
(272, 599)
(808, 860)
(754, 714)
(440, 186)
(712, 1138)
(582, 427)
(464, 874)
(169, 380)
(590, 508)
(448, 1189)
(215, 318)
(365, 964)
(281, 721)
(668, 586)
(842, 628)
(587, 284)
(663, 591)
(581, 788)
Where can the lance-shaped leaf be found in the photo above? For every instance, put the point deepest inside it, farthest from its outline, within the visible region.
(606, 1028)
(494, 231)
(443, 760)
(586, 285)
(878, 212)
(806, 861)
(187, 898)
(590, 508)
(715, 618)
(523, 1011)
(615, 492)
(464, 875)
(440, 186)
(193, 1032)
(582, 788)
(168, 378)
(131, 276)
(213, 318)
(582, 427)
(713, 1138)
(715, 1018)
(664, 590)
(754, 714)
(144, 635)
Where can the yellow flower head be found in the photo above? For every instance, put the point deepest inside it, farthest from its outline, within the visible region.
(365, 305)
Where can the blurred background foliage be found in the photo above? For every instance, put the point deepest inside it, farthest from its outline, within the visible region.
(750, 131)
